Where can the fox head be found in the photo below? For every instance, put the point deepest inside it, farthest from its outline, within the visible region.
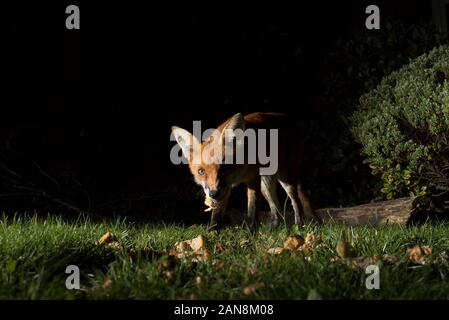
(207, 159)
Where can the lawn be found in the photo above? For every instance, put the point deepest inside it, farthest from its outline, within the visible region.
(142, 262)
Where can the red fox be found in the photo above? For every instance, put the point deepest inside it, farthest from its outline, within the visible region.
(218, 177)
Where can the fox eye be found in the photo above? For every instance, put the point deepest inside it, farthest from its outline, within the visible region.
(201, 172)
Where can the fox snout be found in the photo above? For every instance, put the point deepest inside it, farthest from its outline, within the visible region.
(216, 193)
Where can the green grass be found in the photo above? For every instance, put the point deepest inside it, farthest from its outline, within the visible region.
(35, 252)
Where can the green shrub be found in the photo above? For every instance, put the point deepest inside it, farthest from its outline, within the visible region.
(338, 173)
(403, 126)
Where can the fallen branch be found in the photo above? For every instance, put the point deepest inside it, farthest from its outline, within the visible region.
(392, 211)
(402, 211)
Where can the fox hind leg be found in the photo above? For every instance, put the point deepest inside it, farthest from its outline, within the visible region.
(308, 210)
(253, 193)
(268, 188)
(292, 193)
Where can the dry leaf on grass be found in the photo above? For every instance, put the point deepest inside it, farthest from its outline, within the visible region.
(106, 238)
(107, 283)
(344, 249)
(109, 241)
(312, 241)
(245, 243)
(198, 243)
(294, 242)
(419, 254)
(219, 247)
(195, 244)
(249, 290)
(194, 249)
(182, 246)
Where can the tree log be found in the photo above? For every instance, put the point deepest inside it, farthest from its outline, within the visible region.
(408, 210)
(396, 211)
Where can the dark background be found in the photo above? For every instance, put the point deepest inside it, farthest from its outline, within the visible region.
(92, 108)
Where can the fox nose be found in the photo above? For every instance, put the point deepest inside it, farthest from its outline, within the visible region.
(213, 193)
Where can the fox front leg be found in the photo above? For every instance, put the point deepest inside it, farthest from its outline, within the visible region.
(216, 219)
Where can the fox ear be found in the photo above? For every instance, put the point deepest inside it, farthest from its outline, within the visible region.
(187, 141)
(234, 123)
